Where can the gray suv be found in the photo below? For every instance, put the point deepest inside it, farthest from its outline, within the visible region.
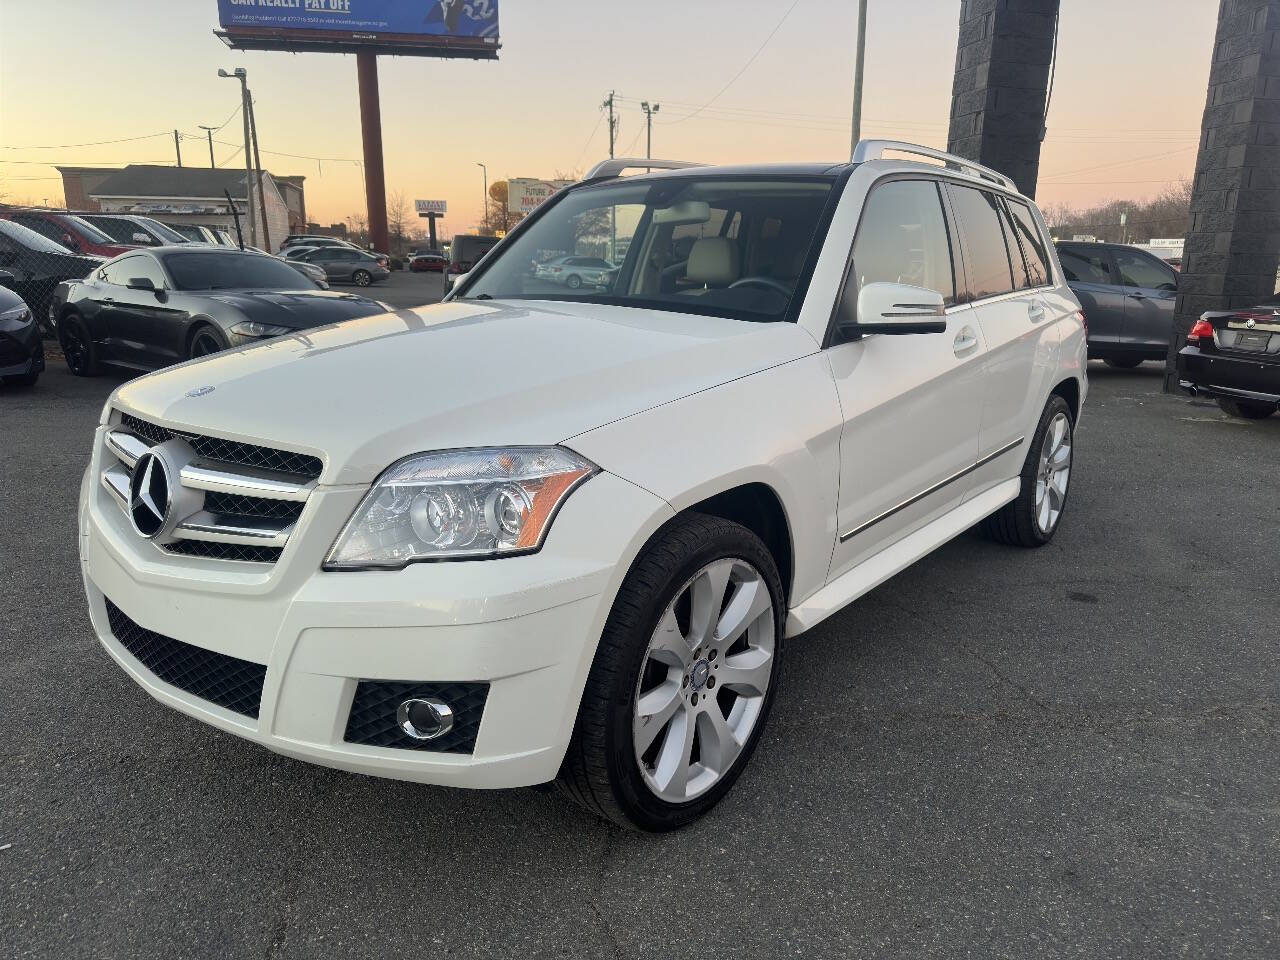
(347, 263)
(1127, 296)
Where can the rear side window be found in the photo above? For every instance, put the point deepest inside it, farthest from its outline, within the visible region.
(986, 257)
(903, 239)
(1034, 250)
(1084, 266)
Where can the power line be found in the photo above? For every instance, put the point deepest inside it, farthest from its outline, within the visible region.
(594, 130)
(1117, 163)
(96, 143)
(750, 60)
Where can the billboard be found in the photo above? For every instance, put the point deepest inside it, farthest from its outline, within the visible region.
(524, 195)
(425, 207)
(425, 27)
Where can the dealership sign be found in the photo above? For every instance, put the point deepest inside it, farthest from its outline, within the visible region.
(524, 195)
(426, 208)
(432, 18)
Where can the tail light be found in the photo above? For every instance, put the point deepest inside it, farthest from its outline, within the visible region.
(1201, 329)
(1084, 321)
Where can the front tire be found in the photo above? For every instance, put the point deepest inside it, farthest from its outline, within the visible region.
(574, 282)
(1032, 519)
(362, 278)
(683, 678)
(1245, 409)
(205, 342)
(78, 348)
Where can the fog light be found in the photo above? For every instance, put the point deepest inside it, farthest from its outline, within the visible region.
(426, 718)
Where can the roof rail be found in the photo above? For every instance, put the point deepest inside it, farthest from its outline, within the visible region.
(876, 149)
(614, 167)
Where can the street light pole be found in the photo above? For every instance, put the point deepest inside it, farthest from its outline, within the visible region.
(209, 132)
(485, 207)
(649, 111)
(240, 74)
(857, 77)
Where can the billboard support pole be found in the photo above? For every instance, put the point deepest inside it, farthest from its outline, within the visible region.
(257, 163)
(371, 129)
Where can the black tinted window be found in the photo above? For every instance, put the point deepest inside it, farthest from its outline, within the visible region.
(119, 271)
(986, 258)
(1084, 266)
(1034, 251)
(903, 239)
(46, 228)
(144, 267)
(232, 271)
(1138, 269)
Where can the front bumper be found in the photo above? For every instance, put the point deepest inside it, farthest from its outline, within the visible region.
(525, 626)
(1231, 376)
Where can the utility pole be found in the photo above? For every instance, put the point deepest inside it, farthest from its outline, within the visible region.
(375, 180)
(649, 111)
(858, 65)
(209, 131)
(613, 122)
(240, 74)
(257, 162)
(485, 208)
(177, 146)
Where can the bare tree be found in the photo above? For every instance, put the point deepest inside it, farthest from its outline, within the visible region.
(397, 218)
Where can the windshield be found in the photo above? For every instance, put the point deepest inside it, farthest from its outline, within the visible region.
(166, 232)
(726, 246)
(212, 270)
(30, 239)
(89, 230)
(125, 231)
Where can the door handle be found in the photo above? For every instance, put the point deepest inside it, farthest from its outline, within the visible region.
(1035, 311)
(1139, 296)
(965, 341)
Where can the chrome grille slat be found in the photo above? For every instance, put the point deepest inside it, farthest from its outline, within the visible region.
(252, 495)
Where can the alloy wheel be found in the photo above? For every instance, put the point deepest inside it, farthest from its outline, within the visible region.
(703, 680)
(1053, 473)
(362, 278)
(204, 344)
(74, 348)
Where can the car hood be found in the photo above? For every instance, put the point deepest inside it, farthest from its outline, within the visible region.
(462, 374)
(298, 309)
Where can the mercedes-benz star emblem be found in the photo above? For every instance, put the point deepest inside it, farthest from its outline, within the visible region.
(201, 391)
(1251, 323)
(149, 501)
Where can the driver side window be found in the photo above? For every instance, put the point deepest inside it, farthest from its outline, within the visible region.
(1139, 270)
(903, 239)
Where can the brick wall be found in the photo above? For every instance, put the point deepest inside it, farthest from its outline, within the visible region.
(1233, 240)
(998, 96)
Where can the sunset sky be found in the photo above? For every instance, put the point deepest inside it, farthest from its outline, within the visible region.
(1124, 119)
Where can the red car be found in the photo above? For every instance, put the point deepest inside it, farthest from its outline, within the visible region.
(74, 233)
(428, 262)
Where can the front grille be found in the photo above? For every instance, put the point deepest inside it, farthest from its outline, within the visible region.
(12, 352)
(215, 550)
(227, 681)
(236, 505)
(373, 714)
(230, 451)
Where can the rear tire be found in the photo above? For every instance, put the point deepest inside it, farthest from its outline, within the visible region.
(605, 769)
(78, 348)
(1246, 409)
(362, 278)
(1123, 363)
(1032, 519)
(573, 282)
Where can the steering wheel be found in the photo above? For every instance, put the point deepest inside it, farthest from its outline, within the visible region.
(769, 282)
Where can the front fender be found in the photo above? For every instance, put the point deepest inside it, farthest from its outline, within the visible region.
(779, 427)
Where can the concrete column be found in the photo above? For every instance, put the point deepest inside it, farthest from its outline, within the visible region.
(1233, 240)
(1002, 74)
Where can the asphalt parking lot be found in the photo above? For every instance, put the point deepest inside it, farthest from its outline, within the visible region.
(402, 289)
(1069, 752)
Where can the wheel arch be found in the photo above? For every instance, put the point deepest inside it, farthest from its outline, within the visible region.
(756, 506)
(1069, 390)
(195, 325)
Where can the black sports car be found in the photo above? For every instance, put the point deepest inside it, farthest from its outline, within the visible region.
(35, 265)
(21, 349)
(151, 308)
(1234, 357)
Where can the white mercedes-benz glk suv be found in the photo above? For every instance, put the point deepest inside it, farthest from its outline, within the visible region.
(538, 534)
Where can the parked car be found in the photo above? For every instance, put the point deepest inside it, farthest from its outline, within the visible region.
(197, 233)
(36, 265)
(21, 346)
(348, 264)
(1233, 356)
(573, 272)
(314, 240)
(152, 308)
(74, 233)
(1128, 297)
(134, 229)
(465, 252)
(428, 261)
(584, 524)
(309, 270)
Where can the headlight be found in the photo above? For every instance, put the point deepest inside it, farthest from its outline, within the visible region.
(21, 314)
(459, 504)
(252, 328)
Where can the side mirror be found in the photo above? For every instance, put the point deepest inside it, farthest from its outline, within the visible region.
(7, 279)
(141, 283)
(897, 308)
